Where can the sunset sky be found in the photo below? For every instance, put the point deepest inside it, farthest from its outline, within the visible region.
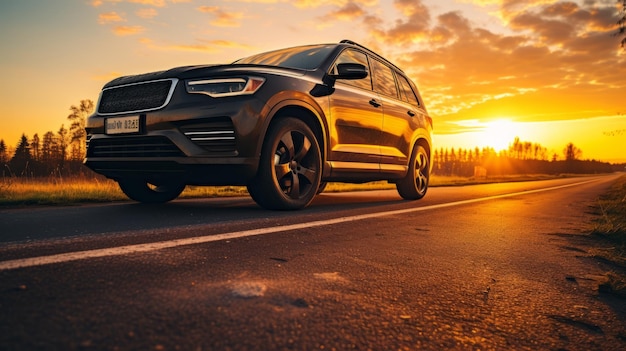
(549, 72)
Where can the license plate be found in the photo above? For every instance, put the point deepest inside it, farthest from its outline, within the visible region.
(122, 125)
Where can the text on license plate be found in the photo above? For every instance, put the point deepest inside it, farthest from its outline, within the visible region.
(121, 125)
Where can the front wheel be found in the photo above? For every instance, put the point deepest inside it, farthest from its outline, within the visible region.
(290, 167)
(146, 191)
(414, 185)
(322, 187)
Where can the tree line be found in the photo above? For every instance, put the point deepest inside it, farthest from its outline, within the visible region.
(53, 153)
(521, 157)
(61, 153)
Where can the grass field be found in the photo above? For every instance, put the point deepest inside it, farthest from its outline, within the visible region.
(17, 192)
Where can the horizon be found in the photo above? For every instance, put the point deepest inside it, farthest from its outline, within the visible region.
(549, 72)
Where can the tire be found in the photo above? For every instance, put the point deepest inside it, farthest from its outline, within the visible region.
(290, 167)
(415, 184)
(322, 187)
(145, 191)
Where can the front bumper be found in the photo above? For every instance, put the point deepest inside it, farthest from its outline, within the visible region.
(201, 144)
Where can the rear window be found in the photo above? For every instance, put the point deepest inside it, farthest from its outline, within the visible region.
(302, 57)
(406, 92)
(384, 82)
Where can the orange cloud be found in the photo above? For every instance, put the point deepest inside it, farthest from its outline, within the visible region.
(348, 12)
(222, 18)
(315, 3)
(147, 13)
(193, 47)
(110, 17)
(97, 3)
(410, 8)
(230, 44)
(156, 3)
(414, 28)
(201, 45)
(128, 30)
(338, 3)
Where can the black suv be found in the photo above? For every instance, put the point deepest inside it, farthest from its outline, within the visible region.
(282, 123)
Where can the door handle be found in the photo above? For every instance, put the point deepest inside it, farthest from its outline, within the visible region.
(374, 103)
(410, 113)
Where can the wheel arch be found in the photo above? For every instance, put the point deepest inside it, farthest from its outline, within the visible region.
(425, 142)
(309, 115)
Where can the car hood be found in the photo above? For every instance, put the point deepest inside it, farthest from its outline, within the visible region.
(203, 71)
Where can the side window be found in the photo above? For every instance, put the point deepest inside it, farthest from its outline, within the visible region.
(384, 81)
(353, 56)
(406, 93)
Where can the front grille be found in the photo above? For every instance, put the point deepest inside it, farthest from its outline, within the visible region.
(153, 146)
(138, 97)
(216, 136)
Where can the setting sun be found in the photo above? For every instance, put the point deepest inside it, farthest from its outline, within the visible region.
(499, 133)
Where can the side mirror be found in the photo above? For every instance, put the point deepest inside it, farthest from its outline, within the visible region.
(351, 71)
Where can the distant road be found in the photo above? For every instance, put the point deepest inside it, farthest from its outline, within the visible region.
(499, 266)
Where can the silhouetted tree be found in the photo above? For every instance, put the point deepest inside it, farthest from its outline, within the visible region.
(77, 117)
(525, 150)
(477, 155)
(528, 148)
(48, 149)
(35, 147)
(540, 152)
(516, 148)
(571, 152)
(437, 161)
(63, 138)
(555, 157)
(4, 156)
(21, 159)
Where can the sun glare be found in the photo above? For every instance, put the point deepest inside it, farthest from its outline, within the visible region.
(499, 134)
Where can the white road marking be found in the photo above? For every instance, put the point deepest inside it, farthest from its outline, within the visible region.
(130, 249)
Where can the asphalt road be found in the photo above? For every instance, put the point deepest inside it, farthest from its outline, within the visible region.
(488, 267)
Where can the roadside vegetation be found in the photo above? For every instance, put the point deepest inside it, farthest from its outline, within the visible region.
(56, 190)
(610, 229)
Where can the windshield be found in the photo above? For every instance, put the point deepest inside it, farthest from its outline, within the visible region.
(302, 57)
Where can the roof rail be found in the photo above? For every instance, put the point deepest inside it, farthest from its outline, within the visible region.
(348, 41)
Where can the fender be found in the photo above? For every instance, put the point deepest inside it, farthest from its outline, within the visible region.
(317, 107)
(424, 133)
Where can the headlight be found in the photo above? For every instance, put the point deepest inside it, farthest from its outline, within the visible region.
(222, 87)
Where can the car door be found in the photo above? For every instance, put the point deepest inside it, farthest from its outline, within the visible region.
(400, 116)
(410, 116)
(356, 120)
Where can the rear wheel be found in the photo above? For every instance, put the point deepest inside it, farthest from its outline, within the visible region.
(290, 167)
(415, 184)
(151, 191)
